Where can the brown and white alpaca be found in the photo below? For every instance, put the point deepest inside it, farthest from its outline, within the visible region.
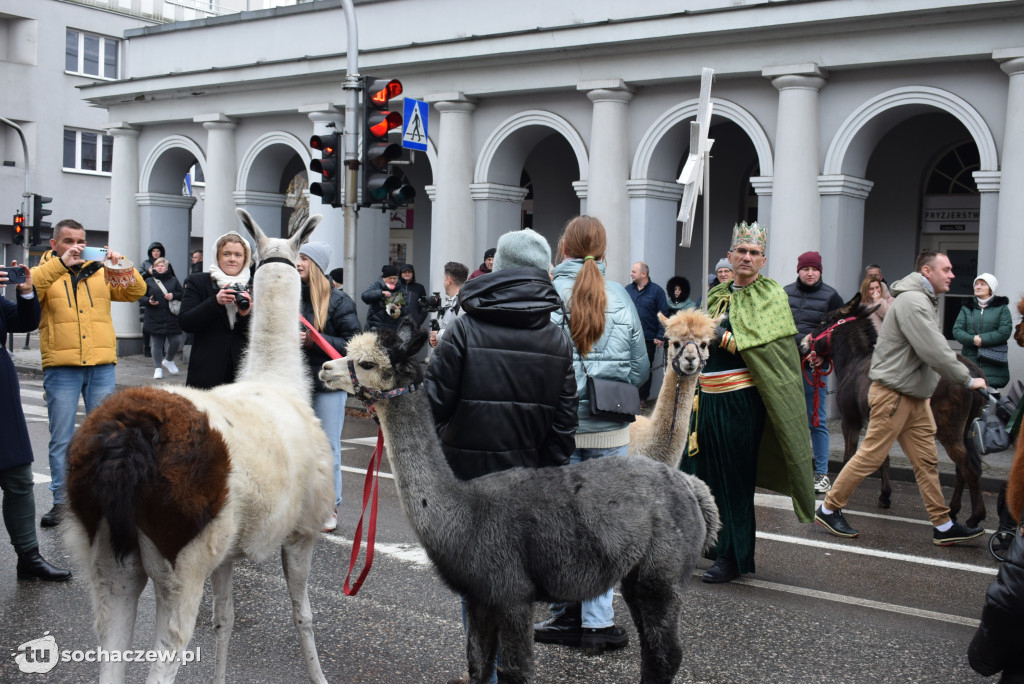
(662, 435)
(174, 484)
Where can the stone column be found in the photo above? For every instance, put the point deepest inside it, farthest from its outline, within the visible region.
(608, 198)
(498, 209)
(165, 218)
(452, 232)
(988, 187)
(332, 228)
(842, 231)
(796, 206)
(654, 233)
(221, 164)
(1011, 202)
(123, 230)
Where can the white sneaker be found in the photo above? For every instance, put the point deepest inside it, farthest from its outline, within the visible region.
(332, 523)
(169, 365)
(822, 484)
(158, 373)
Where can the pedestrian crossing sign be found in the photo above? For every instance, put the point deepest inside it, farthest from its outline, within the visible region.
(414, 128)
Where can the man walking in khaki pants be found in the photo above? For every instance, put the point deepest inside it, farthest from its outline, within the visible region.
(910, 355)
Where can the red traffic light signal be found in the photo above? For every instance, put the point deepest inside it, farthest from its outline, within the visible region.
(19, 228)
(379, 184)
(380, 91)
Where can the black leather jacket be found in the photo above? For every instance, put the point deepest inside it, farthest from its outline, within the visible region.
(998, 645)
(502, 387)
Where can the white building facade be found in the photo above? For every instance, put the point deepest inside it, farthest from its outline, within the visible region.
(863, 130)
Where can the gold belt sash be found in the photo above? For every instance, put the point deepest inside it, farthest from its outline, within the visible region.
(726, 382)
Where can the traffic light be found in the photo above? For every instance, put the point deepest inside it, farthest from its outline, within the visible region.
(329, 167)
(19, 228)
(38, 213)
(380, 186)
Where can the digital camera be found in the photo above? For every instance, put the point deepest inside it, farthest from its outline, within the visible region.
(431, 302)
(241, 301)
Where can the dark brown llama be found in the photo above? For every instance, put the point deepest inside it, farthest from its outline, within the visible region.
(849, 346)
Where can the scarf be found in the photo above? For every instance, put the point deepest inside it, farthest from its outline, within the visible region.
(759, 313)
(982, 303)
(223, 280)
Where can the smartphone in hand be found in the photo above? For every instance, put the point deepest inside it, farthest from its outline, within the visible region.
(93, 254)
(15, 274)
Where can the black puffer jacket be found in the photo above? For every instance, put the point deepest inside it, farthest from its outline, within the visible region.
(810, 304)
(998, 645)
(342, 325)
(502, 387)
(158, 319)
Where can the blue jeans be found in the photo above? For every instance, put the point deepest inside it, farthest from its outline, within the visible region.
(63, 385)
(597, 612)
(330, 409)
(819, 435)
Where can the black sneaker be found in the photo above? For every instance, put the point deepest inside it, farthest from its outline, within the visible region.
(603, 638)
(956, 534)
(564, 630)
(835, 523)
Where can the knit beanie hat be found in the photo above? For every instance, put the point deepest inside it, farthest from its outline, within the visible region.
(808, 259)
(723, 263)
(990, 279)
(489, 254)
(522, 248)
(388, 270)
(317, 252)
(338, 275)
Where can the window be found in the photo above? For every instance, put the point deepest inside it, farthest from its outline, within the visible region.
(87, 151)
(92, 55)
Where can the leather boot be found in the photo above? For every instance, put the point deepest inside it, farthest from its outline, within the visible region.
(54, 516)
(31, 565)
(724, 570)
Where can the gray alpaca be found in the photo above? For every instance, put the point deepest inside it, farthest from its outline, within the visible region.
(508, 539)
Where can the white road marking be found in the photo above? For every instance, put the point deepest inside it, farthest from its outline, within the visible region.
(853, 601)
(40, 479)
(365, 441)
(410, 553)
(362, 471)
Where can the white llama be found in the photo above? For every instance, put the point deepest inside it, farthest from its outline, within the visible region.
(662, 435)
(174, 484)
(511, 538)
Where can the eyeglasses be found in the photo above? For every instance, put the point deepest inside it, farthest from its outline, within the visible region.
(743, 251)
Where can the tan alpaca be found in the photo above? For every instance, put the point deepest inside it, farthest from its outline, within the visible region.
(687, 336)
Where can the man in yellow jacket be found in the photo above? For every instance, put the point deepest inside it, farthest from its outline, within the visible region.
(76, 339)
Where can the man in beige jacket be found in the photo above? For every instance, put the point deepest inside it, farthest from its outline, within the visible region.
(910, 355)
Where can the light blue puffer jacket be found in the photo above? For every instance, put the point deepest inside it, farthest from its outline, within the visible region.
(620, 353)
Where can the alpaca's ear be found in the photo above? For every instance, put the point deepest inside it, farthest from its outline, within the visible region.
(663, 318)
(410, 337)
(250, 225)
(304, 232)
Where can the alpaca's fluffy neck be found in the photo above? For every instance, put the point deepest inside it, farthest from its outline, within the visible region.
(273, 353)
(666, 408)
(435, 502)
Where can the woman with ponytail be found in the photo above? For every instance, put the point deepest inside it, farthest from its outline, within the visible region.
(608, 342)
(333, 314)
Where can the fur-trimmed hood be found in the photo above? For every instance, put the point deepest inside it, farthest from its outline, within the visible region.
(993, 303)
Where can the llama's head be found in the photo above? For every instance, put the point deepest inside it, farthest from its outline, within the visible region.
(286, 249)
(857, 331)
(377, 362)
(687, 336)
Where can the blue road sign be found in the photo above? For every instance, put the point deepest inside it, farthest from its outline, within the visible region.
(414, 125)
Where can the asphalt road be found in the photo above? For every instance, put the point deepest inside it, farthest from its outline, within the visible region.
(887, 607)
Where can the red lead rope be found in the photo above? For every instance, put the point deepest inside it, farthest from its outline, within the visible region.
(369, 486)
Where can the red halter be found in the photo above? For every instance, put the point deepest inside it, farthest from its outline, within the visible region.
(818, 371)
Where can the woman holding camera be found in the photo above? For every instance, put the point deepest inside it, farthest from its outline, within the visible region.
(215, 309)
(333, 314)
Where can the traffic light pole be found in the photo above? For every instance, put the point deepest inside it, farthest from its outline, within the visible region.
(352, 86)
(26, 194)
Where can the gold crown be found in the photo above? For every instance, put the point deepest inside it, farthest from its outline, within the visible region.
(753, 234)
